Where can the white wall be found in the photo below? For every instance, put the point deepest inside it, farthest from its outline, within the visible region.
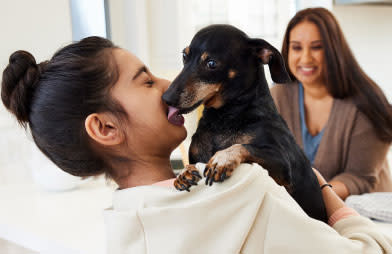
(129, 26)
(368, 31)
(40, 27)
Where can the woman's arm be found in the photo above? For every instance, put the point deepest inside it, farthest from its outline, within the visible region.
(366, 154)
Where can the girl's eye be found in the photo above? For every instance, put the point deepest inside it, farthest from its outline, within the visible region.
(211, 64)
(296, 48)
(150, 82)
(317, 47)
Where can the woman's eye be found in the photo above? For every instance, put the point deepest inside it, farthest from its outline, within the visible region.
(317, 47)
(296, 48)
(211, 64)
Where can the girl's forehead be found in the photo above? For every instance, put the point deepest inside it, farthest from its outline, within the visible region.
(126, 61)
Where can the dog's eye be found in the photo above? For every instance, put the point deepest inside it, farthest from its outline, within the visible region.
(184, 57)
(211, 64)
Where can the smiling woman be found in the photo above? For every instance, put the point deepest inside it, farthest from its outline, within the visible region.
(338, 115)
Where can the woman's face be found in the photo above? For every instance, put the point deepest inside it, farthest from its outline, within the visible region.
(306, 53)
(139, 92)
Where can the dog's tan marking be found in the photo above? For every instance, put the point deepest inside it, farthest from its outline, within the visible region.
(204, 56)
(265, 55)
(232, 73)
(186, 50)
(244, 139)
(201, 92)
(233, 155)
(194, 150)
(215, 102)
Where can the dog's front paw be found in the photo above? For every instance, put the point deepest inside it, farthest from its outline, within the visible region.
(222, 164)
(190, 176)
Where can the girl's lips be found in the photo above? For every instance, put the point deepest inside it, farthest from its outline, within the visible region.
(174, 117)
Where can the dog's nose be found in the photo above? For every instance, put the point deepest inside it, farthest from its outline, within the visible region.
(168, 99)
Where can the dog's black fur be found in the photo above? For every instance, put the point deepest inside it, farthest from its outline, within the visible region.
(223, 69)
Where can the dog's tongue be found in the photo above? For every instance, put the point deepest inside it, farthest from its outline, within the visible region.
(174, 117)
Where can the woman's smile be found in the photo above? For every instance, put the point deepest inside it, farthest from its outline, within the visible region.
(308, 70)
(306, 54)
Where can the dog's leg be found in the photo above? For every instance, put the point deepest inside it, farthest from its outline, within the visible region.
(222, 164)
(201, 148)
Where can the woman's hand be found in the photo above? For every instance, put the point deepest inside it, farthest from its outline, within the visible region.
(331, 200)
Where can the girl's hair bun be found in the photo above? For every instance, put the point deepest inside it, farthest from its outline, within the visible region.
(20, 78)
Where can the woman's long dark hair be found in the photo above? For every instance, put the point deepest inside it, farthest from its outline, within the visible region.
(54, 98)
(343, 76)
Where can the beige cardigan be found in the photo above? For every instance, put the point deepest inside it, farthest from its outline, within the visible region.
(247, 214)
(349, 151)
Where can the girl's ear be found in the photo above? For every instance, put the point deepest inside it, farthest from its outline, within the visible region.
(101, 128)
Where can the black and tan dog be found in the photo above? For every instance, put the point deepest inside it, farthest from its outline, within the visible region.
(223, 70)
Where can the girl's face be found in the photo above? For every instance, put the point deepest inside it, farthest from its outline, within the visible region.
(149, 132)
(306, 53)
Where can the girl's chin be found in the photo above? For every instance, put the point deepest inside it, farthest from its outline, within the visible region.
(179, 136)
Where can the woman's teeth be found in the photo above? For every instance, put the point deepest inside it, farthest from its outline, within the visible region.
(307, 70)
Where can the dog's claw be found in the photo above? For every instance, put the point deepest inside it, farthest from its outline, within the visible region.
(212, 178)
(196, 173)
(223, 176)
(205, 171)
(208, 176)
(191, 182)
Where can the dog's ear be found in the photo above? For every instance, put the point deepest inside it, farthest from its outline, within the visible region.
(271, 56)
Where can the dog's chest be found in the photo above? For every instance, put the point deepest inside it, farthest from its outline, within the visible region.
(219, 139)
(224, 140)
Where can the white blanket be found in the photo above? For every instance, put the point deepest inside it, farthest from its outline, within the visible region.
(377, 205)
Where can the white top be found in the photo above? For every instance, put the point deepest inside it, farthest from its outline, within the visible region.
(248, 213)
(69, 222)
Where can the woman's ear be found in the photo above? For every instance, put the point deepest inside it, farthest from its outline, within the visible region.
(101, 128)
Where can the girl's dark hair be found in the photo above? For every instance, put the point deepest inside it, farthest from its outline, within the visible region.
(343, 76)
(54, 98)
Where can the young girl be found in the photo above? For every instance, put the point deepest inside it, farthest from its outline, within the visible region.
(95, 108)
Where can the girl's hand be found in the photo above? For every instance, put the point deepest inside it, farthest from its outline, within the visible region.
(320, 178)
(331, 200)
(338, 187)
